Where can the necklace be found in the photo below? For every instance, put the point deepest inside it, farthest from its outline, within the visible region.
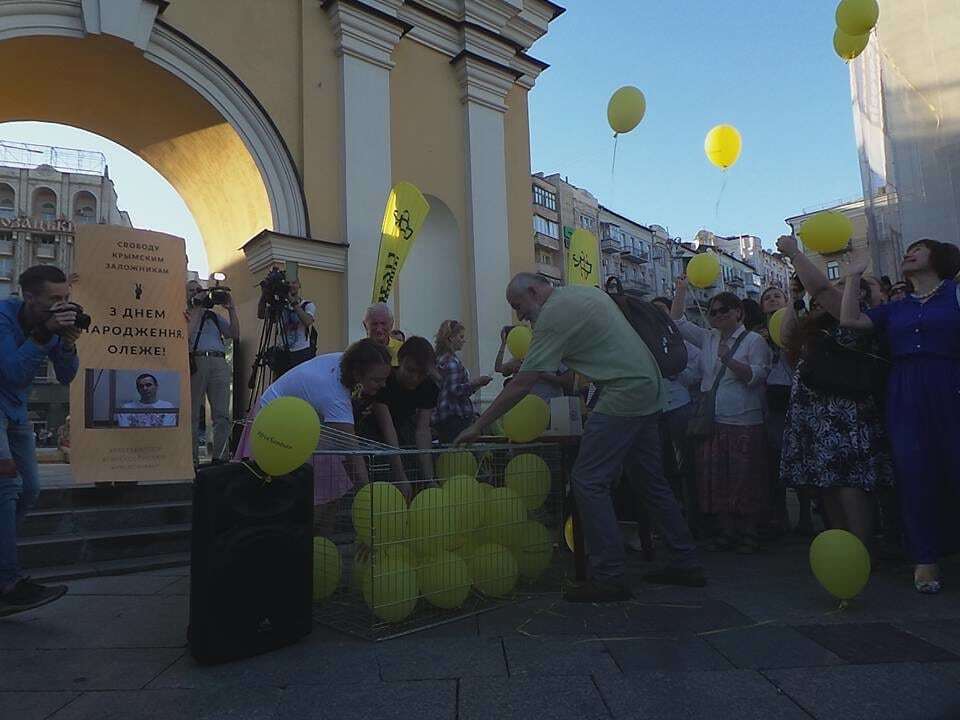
(927, 296)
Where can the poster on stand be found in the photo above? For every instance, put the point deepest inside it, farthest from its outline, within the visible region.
(130, 401)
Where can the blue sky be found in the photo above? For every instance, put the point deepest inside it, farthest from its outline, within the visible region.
(766, 67)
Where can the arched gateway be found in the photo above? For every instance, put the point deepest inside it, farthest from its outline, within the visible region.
(284, 124)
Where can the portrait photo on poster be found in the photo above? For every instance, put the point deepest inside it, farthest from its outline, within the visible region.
(142, 398)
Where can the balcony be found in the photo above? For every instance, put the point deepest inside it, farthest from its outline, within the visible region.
(641, 286)
(546, 241)
(633, 252)
(610, 245)
(45, 251)
(735, 281)
(6, 247)
(550, 271)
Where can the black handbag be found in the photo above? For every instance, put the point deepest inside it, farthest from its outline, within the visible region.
(836, 369)
(703, 424)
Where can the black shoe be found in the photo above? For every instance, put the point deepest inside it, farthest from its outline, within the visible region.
(687, 577)
(597, 592)
(26, 595)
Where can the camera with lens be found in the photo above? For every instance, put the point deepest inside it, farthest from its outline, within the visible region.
(276, 287)
(216, 295)
(82, 320)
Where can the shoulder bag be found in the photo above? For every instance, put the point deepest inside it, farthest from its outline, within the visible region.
(702, 425)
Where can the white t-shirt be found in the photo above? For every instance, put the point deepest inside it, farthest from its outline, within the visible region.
(142, 417)
(298, 336)
(318, 382)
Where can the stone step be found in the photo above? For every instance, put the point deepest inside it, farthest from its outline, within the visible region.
(55, 573)
(90, 496)
(68, 521)
(96, 547)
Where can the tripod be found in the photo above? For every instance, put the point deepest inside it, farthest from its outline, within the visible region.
(273, 351)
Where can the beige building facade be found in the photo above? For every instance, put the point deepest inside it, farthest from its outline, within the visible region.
(284, 124)
(833, 264)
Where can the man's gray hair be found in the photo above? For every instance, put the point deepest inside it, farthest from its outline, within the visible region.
(524, 281)
(377, 308)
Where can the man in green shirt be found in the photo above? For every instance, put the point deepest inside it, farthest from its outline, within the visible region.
(582, 328)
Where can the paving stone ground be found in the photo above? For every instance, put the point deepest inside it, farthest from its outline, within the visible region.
(761, 641)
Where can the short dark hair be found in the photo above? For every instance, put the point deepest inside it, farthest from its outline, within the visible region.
(359, 358)
(141, 376)
(32, 279)
(752, 314)
(420, 352)
(944, 257)
(728, 300)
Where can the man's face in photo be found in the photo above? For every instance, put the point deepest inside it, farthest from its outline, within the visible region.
(147, 387)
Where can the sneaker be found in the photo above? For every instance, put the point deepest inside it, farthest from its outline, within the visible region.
(593, 591)
(27, 594)
(687, 577)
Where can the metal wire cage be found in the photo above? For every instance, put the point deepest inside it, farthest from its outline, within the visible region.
(435, 536)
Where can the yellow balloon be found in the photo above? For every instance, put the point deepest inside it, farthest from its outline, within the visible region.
(444, 579)
(528, 476)
(284, 435)
(467, 497)
(435, 521)
(826, 232)
(703, 270)
(626, 109)
(494, 570)
(527, 420)
(326, 568)
(533, 549)
(453, 464)
(518, 341)
(840, 562)
(503, 515)
(857, 17)
(723, 145)
(568, 532)
(394, 346)
(775, 326)
(379, 514)
(849, 46)
(391, 591)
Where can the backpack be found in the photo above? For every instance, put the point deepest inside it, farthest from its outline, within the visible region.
(313, 331)
(658, 331)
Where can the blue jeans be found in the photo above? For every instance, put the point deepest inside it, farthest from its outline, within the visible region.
(631, 444)
(19, 490)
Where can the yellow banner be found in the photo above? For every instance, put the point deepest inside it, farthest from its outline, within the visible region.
(403, 217)
(130, 402)
(583, 259)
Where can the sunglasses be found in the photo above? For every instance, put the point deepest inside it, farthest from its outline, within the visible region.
(719, 311)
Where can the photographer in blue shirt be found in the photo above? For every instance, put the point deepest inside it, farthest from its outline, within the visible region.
(40, 327)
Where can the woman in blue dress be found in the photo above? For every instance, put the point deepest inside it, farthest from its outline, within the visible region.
(922, 333)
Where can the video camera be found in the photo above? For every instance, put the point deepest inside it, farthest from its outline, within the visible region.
(217, 295)
(276, 287)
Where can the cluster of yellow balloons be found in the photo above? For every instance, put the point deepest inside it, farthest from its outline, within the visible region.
(855, 20)
(826, 232)
(284, 435)
(840, 562)
(464, 534)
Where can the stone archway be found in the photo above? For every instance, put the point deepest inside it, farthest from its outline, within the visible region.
(116, 70)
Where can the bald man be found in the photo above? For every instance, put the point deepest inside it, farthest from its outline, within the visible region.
(582, 328)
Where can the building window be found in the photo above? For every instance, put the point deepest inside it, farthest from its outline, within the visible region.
(659, 255)
(8, 204)
(588, 223)
(45, 239)
(546, 227)
(6, 268)
(45, 204)
(833, 271)
(6, 236)
(544, 258)
(544, 197)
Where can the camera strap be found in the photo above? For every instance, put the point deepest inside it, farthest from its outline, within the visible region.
(196, 340)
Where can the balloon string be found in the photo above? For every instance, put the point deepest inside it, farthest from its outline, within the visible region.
(613, 165)
(723, 186)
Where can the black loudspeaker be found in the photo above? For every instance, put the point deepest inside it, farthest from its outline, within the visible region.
(251, 573)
